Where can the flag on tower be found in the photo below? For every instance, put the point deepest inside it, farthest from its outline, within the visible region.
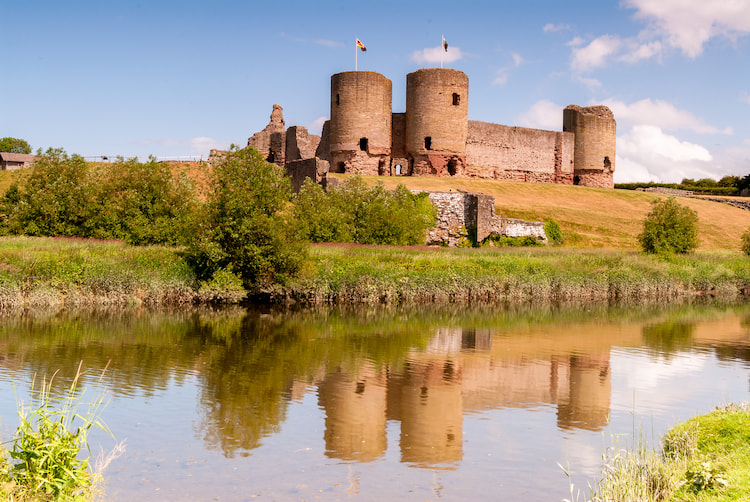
(445, 44)
(361, 46)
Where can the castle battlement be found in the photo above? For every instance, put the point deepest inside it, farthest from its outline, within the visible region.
(435, 137)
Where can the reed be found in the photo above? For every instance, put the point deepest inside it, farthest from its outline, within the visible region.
(45, 461)
(361, 274)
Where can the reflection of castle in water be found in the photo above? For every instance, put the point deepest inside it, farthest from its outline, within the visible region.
(460, 370)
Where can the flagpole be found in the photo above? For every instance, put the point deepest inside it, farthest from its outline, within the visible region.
(356, 48)
(442, 42)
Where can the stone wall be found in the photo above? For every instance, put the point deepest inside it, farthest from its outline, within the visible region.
(595, 132)
(300, 144)
(512, 227)
(360, 125)
(461, 214)
(271, 141)
(298, 170)
(516, 153)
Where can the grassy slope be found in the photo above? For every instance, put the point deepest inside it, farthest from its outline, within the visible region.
(589, 217)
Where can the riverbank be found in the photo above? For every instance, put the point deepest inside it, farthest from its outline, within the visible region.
(704, 458)
(341, 274)
(44, 272)
(50, 271)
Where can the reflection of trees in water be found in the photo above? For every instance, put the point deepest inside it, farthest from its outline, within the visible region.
(142, 350)
(669, 337)
(248, 374)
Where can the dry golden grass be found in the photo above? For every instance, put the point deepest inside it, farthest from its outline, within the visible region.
(589, 217)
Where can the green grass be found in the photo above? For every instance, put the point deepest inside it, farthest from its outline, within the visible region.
(45, 461)
(379, 274)
(589, 217)
(706, 458)
(48, 271)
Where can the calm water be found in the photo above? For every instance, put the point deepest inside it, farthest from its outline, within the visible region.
(450, 403)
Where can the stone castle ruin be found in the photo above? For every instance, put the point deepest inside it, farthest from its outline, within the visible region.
(435, 137)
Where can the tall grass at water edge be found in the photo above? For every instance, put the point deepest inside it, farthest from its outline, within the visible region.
(45, 460)
(37, 271)
(344, 274)
(706, 458)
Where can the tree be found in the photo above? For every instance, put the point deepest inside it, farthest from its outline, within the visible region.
(246, 225)
(14, 145)
(669, 228)
(356, 212)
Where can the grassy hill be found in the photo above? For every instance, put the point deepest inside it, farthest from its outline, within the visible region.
(589, 217)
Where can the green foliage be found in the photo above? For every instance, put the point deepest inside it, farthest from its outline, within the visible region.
(669, 228)
(519, 241)
(745, 245)
(355, 212)
(14, 145)
(45, 463)
(704, 476)
(245, 223)
(141, 203)
(554, 233)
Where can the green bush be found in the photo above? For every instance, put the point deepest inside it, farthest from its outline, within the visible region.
(355, 212)
(553, 232)
(669, 228)
(246, 225)
(745, 246)
(141, 203)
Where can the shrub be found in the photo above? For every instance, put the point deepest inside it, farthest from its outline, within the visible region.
(553, 232)
(745, 246)
(245, 225)
(355, 212)
(669, 228)
(141, 203)
(45, 461)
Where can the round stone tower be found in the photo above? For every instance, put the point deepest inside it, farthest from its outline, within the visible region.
(437, 121)
(595, 136)
(360, 127)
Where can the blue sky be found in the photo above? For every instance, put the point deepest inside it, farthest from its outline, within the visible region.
(168, 78)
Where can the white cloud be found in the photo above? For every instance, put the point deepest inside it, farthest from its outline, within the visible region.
(542, 115)
(327, 43)
(316, 127)
(592, 83)
(549, 27)
(594, 54)
(646, 153)
(501, 77)
(661, 114)
(642, 51)
(433, 55)
(689, 24)
(745, 97)
(577, 41)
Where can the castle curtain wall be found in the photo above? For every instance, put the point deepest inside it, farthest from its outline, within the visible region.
(516, 153)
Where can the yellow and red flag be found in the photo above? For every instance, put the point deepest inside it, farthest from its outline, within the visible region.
(361, 46)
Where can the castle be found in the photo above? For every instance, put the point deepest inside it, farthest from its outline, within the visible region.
(435, 137)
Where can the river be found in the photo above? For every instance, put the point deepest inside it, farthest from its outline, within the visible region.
(437, 403)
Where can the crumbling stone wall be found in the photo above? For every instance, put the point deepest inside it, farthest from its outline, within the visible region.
(516, 153)
(271, 141)
(300, 144)
(595, 133)
(463, 213)
(314, 168)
